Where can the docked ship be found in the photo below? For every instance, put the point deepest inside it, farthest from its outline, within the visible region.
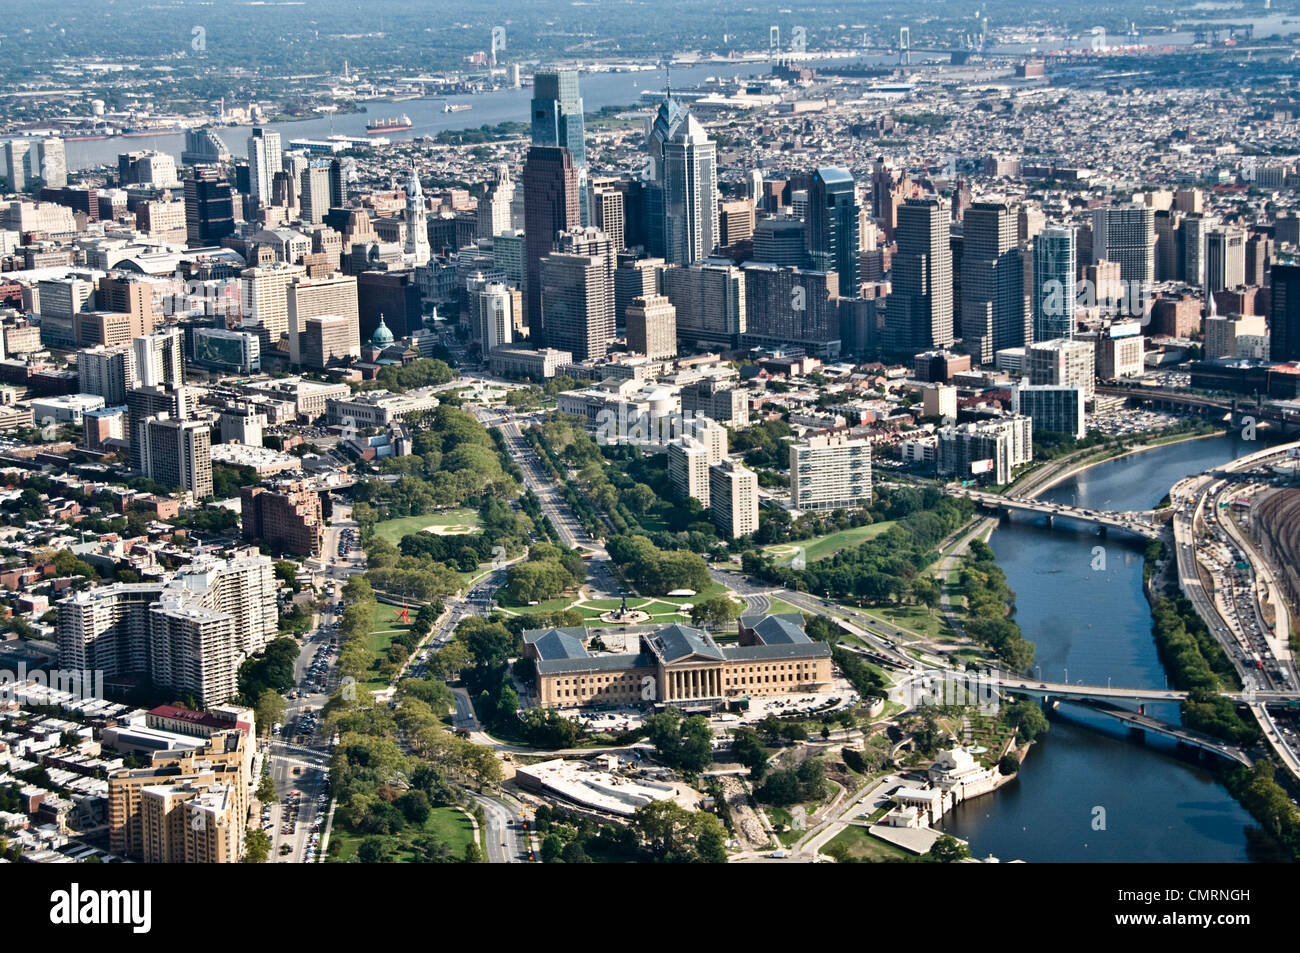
(381, 126)
(456, 107)
(152, 131)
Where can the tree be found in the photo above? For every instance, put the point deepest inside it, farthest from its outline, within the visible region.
(266, 790)
(683, 743)
(375, 850)
(270, 710)
(552, 849)
(946, 850)
(715, 611)
(749, 751)
(257, 846)
(473, 855)
(1009, 764)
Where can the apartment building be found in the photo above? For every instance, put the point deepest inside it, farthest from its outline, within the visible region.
(830, 471)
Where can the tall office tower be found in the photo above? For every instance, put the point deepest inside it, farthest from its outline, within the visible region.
(160, 358)
(317, 297)
(327, 340)
(710, 303)
(887, 196)
(799, 204)
(108, 372)
(787, 307)
(754, 187)
(1284, 313)
(668, 118)
(577, 304)
(265, 159)
(1054, 284)
(494, 206)
(690, 192)
(735, 222)
(393, 294)
(781, 240)
(338, 184)
(155, 169)
(833, 226)
(557, 113)
(919, 315)
(1167, 236)
(634, 278)
(508, 256)
(1064, 362)
(830, 472)
(144, 403)
(550, 207)
(209, 208)
(652, 327)
(1191, 237)
(607, 211)
(1225, 258)
(203, 147)
(733, 499)
(35, 162)
(315, 191)
(495, 313)
(264, 298)
(1259, 254)
(1126, 234)
(557, 121)
(417, 251)
(590, 241)
(994, 314)
(1189, 201)
(178, 454)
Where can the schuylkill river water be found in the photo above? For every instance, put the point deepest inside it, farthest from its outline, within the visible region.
(1158, 805)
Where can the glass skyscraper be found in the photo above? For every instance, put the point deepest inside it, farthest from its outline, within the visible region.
(1054, 287)
(557, 121)
(833, 226)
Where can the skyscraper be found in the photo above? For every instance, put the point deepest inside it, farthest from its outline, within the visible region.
(833, 226)
(550, 207)
(993, 306)
(652, 327)
(1126, 234)
(1225, 258)
(159, 359)
(494, 327)
(919, 314)
(494, 206)
(690, 193)
(320, 297)
(1284, 313)
(178, 454)
(417, 250)
(577, 303)
(209, 208)
(557, 121)
(668, 118)
(265, 159)
(32, 162)
(557, 113)
(315, 186)
(1054, 283)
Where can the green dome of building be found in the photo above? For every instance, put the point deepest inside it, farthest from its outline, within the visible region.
(382, 336)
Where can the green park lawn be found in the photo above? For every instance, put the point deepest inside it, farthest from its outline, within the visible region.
(393, 530)
(863, 846)
(822, 547)
(451, 827)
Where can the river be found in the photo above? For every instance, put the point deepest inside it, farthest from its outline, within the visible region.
(427, 116)
(1094, 624)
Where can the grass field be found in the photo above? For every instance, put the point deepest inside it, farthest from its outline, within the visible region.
(822, 547)
(862, 846)
(394, 530)
(383, 627)
(660, 608)
(447, 823)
